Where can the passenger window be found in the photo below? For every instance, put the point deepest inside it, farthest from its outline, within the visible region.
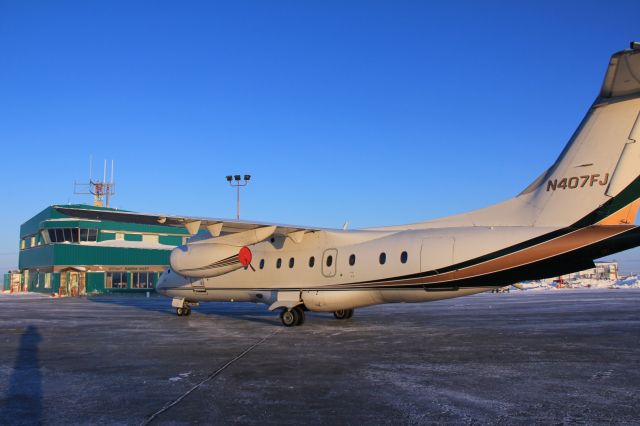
(352, 259)
(261, 263)
(312, 261)
(291, 262)
(403, 257)
(278, 263)
(383, 258)
(329, 260)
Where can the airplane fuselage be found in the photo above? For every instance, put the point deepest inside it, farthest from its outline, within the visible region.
(334, 270)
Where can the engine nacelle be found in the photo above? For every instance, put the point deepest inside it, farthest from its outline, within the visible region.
(208, 259)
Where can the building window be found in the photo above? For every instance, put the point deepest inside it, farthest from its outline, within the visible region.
(403, 257)
(23, 244)
(261, 263)
(72, 235)
(278, 263)
(142, 279)
(117, 279)
(352, 259)
(383, 258)
(47, 280)
(291, 262)
(312, 261)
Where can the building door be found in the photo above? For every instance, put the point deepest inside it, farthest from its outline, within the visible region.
(73, 286)
(16, 283)
(82, 284)
(329, 262)
(64, 279)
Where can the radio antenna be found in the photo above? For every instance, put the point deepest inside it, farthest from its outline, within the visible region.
(102, 190)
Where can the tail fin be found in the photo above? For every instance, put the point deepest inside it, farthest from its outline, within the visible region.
(595, 178)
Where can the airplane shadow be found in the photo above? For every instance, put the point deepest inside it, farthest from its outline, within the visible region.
(22, 403)
(236, 310)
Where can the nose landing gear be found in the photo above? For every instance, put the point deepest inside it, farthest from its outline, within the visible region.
(183, 308)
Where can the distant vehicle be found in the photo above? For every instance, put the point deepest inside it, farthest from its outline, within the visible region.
(582, 208)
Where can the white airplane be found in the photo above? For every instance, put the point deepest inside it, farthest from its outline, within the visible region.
(582, 208)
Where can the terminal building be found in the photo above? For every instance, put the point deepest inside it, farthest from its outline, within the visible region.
(68, 256)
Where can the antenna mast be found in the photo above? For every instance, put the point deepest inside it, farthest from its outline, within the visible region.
(102, 190)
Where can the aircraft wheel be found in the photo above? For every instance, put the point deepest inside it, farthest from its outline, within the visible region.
(288, 318)
(299, 312)
(180, 311)
(341, 314)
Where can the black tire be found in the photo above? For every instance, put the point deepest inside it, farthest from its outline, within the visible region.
(340, 314)
(180, 311)
(187, 312)
(300, 315)
(349, 313)
(288, 318)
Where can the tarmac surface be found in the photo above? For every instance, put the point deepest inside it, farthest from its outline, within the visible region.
(556, 357)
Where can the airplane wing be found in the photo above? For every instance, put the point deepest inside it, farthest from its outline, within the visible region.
(216, 227)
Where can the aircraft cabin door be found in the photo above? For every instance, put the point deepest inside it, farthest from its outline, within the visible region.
(436, 253)
(198, 285)
(329, 262)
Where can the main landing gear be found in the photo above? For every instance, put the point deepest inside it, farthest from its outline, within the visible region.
(293, 316)
(184, 311)
(343, 314)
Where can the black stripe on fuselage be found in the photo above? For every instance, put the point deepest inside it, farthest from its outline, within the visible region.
(623, 199)
(578, 259)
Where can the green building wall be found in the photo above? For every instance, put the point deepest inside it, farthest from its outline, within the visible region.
(80, 255)
(40, 256)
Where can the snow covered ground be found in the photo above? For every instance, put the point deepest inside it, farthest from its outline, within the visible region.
(632, 281)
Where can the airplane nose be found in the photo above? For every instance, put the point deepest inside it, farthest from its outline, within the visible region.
(179, 257)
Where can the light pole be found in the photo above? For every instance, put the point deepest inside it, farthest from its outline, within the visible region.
(237, 182)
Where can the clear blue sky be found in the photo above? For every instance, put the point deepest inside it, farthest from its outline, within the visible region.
(372, 112)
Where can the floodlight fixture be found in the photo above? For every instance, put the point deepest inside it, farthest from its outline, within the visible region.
(237, 184)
